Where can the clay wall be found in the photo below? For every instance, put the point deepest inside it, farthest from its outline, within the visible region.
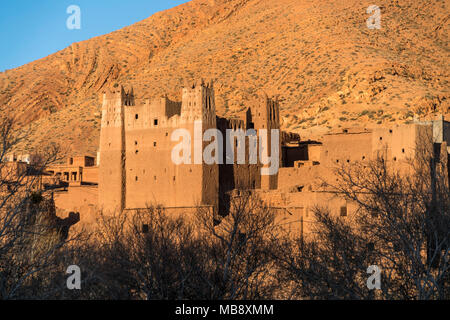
(346, 147)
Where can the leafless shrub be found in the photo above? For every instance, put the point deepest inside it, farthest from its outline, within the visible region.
(402, 224)
(29, 237)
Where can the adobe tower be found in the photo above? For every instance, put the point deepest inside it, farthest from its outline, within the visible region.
(112, 151)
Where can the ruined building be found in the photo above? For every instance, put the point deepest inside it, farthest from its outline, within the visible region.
(136, 169)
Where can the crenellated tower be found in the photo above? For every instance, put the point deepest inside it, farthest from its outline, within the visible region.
(198, 103)
(198, 113)
(112, 149)
(266, 116)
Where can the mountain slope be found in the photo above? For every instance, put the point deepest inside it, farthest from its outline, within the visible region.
(328, 68)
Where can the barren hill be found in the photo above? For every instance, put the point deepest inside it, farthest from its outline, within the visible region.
(329, 69)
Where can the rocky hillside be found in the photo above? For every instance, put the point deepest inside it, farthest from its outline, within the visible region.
(329, 69)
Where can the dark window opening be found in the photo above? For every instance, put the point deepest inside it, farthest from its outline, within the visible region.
(145, 228)
(403, 150)
(381, 138)
(137, 151)
(136, 178)
(390, 131)
(154, 144)
(343, 211)
(136, 116)
(155, 122)
(135, 143)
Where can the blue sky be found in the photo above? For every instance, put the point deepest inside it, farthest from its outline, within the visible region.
(33, 29)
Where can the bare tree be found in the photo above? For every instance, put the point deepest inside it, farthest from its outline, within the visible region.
(240, 248)
(30, 232)
(402, 224)
(149, 254)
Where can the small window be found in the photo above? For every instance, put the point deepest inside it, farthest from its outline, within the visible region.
(167, 134)
(137, 151)
(145, 228)
(363, 157)
(154, 177)
(381, 138)
(348, 161)
(337, 160)
(174, 178)
(136, 116)
(136, 178)
(403, 150)
(135, 143)
(343, 211)
(395, 158)
(155, 122)
(154, 144)
(390, 131)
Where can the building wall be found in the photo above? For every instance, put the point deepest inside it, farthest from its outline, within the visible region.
(314, 152)
(112, 152)
(401, 142)
(293, 177)
(81, 161)
(90, 175)
(141, 154)
(82, 199)
(341, 148)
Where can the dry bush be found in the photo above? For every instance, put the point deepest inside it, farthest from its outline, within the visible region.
(402, 224)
